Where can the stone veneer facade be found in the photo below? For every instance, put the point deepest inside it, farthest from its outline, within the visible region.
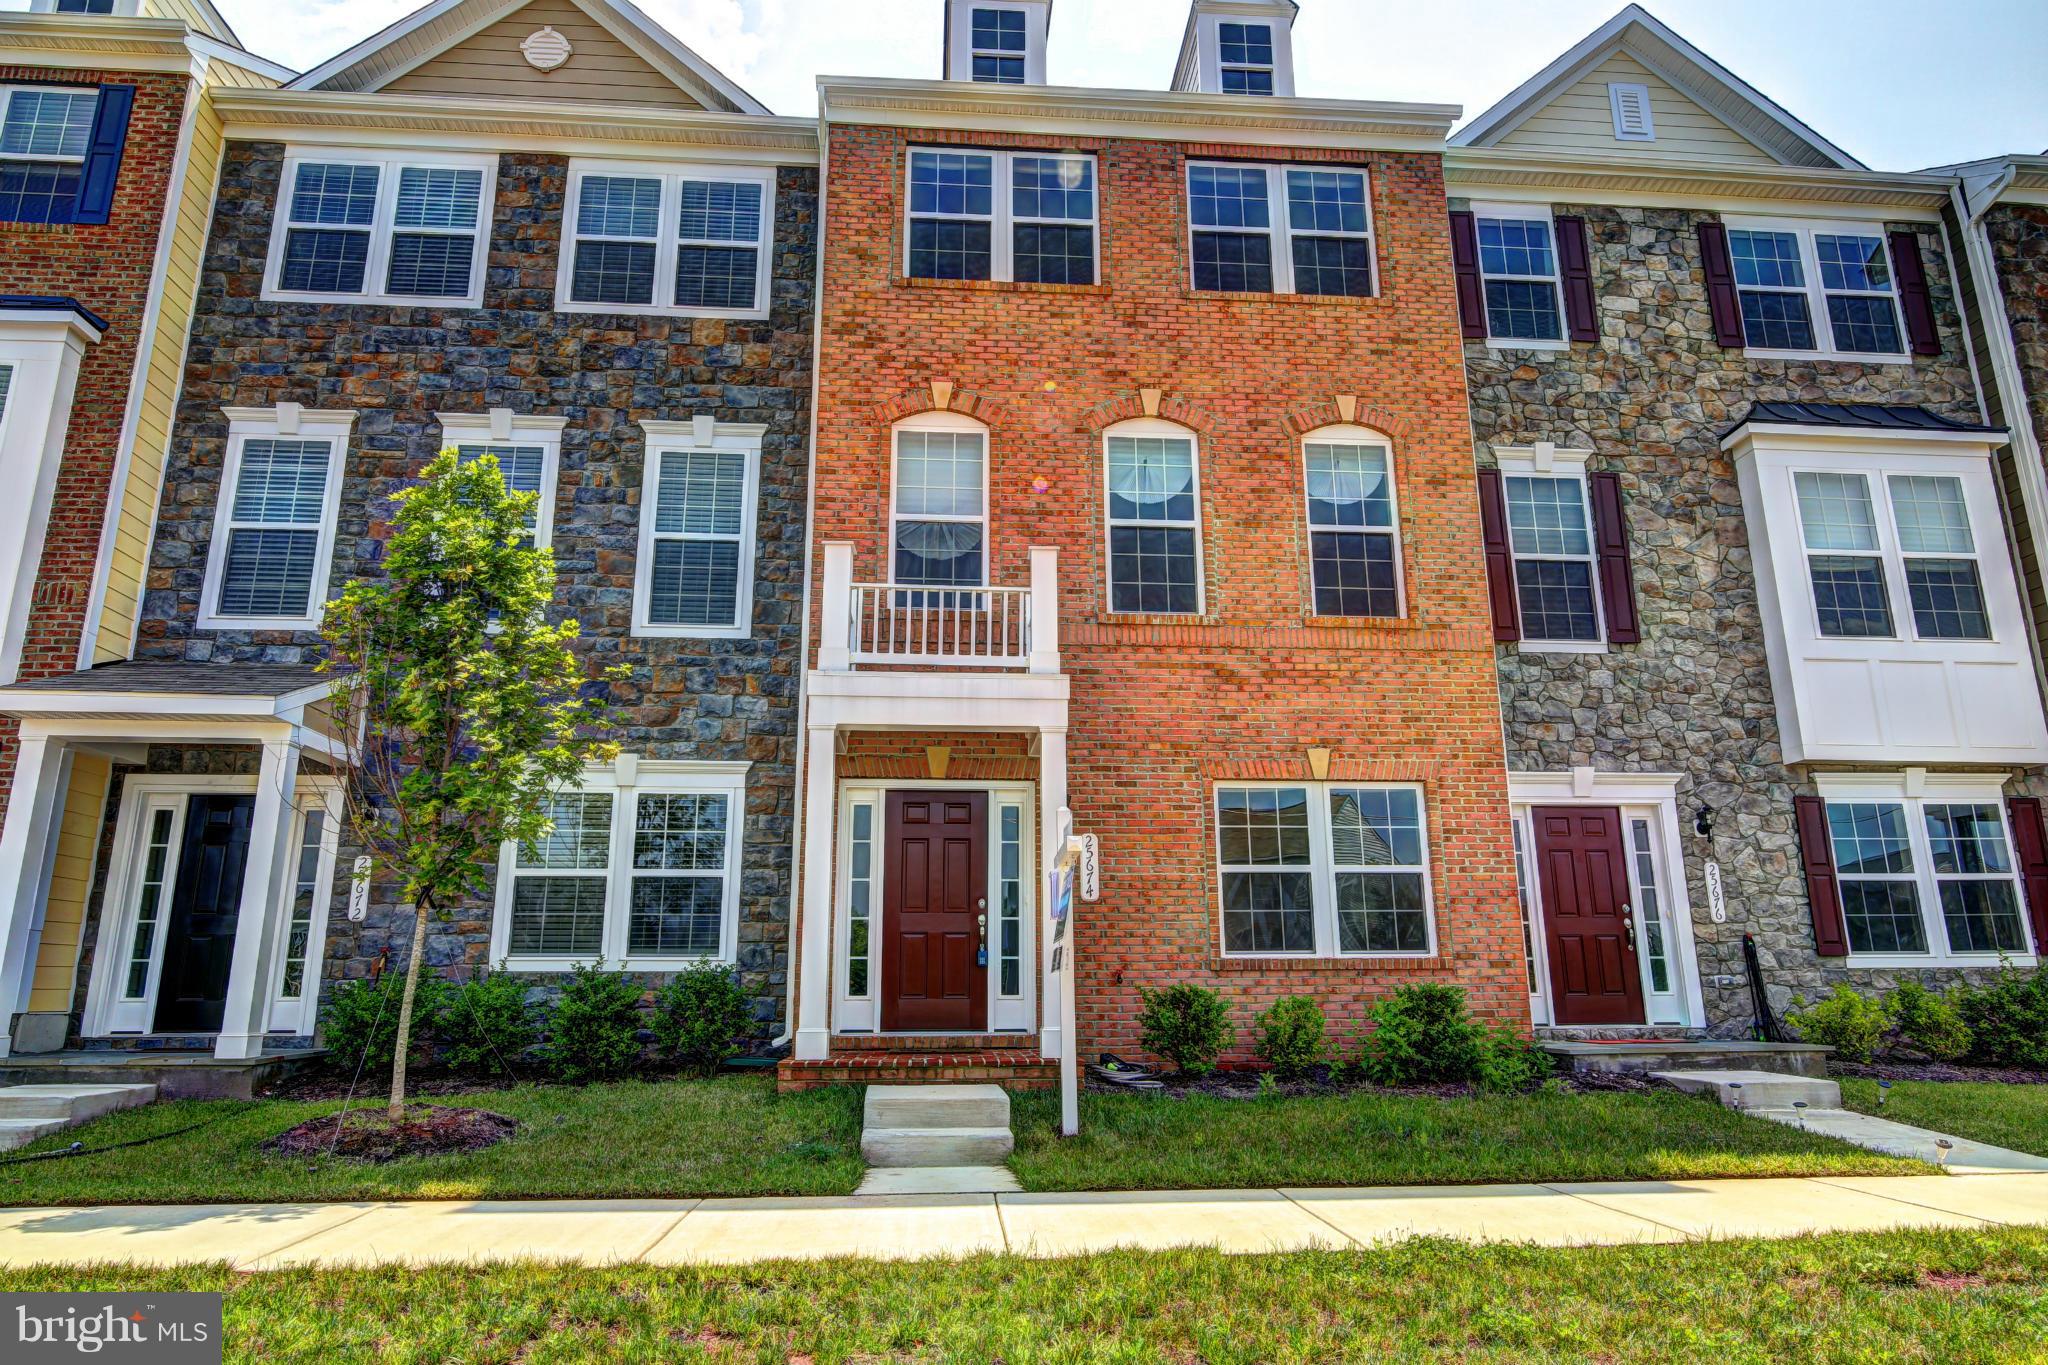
(1653, 398)
(715, 700)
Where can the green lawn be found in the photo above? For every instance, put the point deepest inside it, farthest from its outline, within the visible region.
(728, 1136)
(2014, 1116)
(1201, 1142)
(1951, 1297)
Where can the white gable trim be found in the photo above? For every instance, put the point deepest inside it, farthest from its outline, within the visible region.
(462, 19)
(1745, 109)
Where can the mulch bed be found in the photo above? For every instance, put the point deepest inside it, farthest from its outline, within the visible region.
(370, 1135)
(1934, 1071)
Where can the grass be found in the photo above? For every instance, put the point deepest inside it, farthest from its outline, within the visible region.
(1366, 1138)
(2014, 1116)
(731, 1136)
(1954, 1297)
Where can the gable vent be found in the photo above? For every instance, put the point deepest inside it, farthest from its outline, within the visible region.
(1631, 103)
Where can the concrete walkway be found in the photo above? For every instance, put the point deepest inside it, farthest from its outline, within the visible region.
(909, 1227)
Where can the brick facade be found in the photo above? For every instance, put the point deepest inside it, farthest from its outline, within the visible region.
(1163, 707)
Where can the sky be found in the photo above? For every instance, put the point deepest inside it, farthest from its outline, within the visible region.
(1900, 84)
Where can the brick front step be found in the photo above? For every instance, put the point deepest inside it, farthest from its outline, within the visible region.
(1010, 1068)
(932, 1042)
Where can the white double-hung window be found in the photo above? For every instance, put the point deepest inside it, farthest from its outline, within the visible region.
(1323, 869)
(640, 869)
(695, 575)
(1863, 531)
(1027, 217)
(1268, 229)
(528, 450)
(684, 240)
(1816, 288)
(1518, 272)
(273, 531)
(377, 226)
(45, 132)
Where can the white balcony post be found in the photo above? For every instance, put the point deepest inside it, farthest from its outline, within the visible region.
(32, 810)
(1045, 609)
(835, 653)
(246, 1017)
(1052, 795)
(814, 968)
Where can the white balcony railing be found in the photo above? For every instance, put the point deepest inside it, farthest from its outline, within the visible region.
(896, 625)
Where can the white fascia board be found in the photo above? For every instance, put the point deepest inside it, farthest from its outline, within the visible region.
(1150, 115)
(104, 42)
(1852, 440)
(631, 26)
(46, 324)
(1502, 173)
(215, 50)
(383, 38)
(1621, 789)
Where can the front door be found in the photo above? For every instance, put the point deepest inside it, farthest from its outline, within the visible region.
(935, 913)
(199, 943)
(1588, 924)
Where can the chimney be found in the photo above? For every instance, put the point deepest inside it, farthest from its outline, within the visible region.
(1238, 47)
(999, 42)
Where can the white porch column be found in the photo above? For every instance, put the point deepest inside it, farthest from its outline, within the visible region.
(835, 625)
(1052, 794)
(32, 807)
(246, 1017)
(1045, 610)
(813, 1041)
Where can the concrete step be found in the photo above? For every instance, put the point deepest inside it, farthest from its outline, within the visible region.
(70, 1103)
(1757, 1089)
(936, 1146)
(937, 1106)
(939, 1180)
(21, 1132)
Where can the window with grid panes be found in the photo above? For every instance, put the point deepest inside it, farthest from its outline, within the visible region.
(1550, 533)
(1155, 563)
(373, 226)
(45, 133)
(1352, 549)
(654, 239)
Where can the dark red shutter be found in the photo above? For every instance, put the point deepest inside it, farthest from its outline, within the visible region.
(1617, 574)
(103, 155)
(1465, 263)
(2030, 844)
(1576, 261)
(1913, 295)
(1500, 559)
(1823, 892)
(1722, 300)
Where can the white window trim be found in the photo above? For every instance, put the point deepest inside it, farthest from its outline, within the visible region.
(1617, 93)
(626, 780)
(667, 235)
(1154, 427)
(1544, 461)
(954, 424)
(9, 91)
(701, 433)
(1347, 434)
(1805, 230)
(503, 427)
(1002, 221)
(1525, 213)
(1915, 789)
(376, 269)
(1323, 869)
(285, 421)
(1280, 227)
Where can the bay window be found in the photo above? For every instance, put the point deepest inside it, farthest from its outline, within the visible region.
(1323, 869)
(1932, 553)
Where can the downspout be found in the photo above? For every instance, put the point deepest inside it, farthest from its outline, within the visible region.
(803, 660)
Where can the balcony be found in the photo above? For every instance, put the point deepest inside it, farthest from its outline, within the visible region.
(913, 627)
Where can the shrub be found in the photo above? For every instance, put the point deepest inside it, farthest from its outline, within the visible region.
(363, 1018)
(486, 1024)
(1926, 1023)
(1851, 1024)
(1291, 1034)
(700, 1017)
(2007, 1020)
(1424, 1035)
(1509, 1062)
(594, 1033)
(1186, 1024)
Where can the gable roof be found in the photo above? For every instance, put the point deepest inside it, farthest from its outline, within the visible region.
(427, 32)
(1692, 72)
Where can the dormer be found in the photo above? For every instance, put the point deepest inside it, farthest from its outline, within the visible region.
(1238, 47)
(997, 42)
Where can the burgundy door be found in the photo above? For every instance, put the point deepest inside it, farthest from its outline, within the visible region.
(1582, 872)
(936, 893)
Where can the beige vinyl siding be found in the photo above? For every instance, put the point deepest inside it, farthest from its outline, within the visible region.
(240, 78)
(1581, 120)
(78, 836)
(194, 16)
(601, 69)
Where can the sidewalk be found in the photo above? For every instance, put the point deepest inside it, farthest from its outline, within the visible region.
(910, 1227)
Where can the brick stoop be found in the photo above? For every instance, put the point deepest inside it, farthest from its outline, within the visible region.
(932, 1042)
(1011, 1068)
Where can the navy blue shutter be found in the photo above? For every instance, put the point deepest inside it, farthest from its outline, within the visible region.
(103, 154)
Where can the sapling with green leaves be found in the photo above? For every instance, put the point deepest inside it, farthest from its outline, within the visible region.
(463, 707)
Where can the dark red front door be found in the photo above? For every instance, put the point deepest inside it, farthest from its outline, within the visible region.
(1582, 872)
(936, 881)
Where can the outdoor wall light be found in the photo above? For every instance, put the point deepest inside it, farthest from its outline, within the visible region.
(1703, 823)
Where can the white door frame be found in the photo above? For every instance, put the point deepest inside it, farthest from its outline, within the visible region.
(1013, 1014)
(106, 1013)
(1649, 797)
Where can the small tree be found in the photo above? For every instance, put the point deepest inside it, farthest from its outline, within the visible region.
(463, 708)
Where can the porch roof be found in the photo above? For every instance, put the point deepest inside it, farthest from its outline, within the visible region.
(192, 699)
